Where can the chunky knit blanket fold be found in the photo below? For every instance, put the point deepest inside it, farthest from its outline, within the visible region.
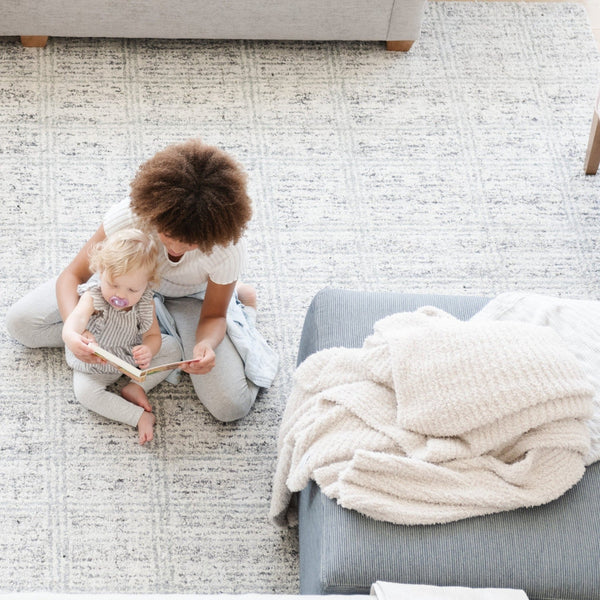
(577, 322)
(434, 420)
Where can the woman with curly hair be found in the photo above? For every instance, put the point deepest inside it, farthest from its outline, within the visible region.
(193, 198)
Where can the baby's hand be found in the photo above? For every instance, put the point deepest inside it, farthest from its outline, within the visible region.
(78, 344)
(142, 355)
(88, 337)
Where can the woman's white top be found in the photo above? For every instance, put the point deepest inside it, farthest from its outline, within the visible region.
(193, 270)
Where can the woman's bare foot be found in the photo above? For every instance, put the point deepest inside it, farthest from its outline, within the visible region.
(246, 294)
(146, 427)
(136, 394)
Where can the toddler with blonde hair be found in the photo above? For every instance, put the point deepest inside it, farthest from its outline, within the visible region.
(116, 311)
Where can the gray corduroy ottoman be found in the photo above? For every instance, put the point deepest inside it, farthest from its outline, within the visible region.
(550, 551)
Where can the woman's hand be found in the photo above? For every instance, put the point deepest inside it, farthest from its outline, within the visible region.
(142, 355)
(211, 328)
(205, 357)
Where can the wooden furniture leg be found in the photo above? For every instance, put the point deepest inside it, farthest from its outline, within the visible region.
(34, 41)
(400, 46)
(592, 156)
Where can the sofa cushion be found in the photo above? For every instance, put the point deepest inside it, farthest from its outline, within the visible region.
(550, 551)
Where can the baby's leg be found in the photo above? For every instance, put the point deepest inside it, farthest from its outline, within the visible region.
(34, 320)
(136, 392)
(90, 390)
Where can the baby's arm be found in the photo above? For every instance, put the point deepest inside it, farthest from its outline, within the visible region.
(74, 333)
(151, 342)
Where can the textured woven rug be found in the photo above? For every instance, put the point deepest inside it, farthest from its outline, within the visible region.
(455, 168)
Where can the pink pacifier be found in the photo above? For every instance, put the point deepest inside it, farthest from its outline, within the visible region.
(118, 302)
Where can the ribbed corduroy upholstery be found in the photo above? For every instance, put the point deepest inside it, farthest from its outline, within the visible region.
(550, 551)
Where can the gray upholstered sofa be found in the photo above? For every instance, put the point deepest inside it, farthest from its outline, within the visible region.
(398, 22)
(551, 551)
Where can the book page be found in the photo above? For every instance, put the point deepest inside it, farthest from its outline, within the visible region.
(169, 366)
(117, 362)
(133, 371)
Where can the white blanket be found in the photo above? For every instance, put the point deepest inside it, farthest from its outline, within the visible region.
(384, 590)
(578, 324)
(435, 420)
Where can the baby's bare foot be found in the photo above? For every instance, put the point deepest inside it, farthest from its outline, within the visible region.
(146, 427)
(136, 394)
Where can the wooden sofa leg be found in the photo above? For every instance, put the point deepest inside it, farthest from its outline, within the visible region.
(592, 156)
(400, 46)
(34, 41)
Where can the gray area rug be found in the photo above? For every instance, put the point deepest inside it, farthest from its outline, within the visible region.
(456, 168)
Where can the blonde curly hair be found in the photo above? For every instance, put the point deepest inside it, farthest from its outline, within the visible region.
(125, 251)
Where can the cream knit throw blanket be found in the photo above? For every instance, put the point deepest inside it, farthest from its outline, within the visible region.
(577, 322)
(435, 420)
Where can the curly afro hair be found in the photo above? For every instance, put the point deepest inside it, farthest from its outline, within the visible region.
(193, 193)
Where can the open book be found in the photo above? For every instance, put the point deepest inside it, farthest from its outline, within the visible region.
(131, 370)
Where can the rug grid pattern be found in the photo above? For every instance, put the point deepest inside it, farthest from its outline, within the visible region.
(455, 169)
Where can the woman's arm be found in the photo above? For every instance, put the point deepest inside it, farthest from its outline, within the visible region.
(151, 343)
(77, 272)
(211, 327)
